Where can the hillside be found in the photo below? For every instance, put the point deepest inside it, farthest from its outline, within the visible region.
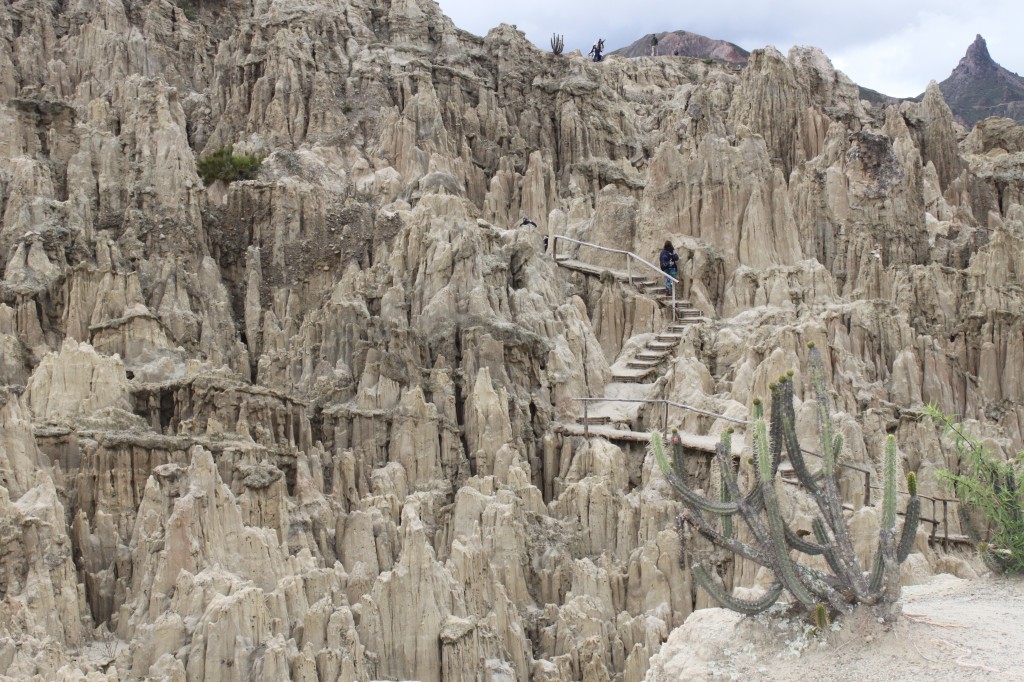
(979, 87)
(324, 419)
(685, 44)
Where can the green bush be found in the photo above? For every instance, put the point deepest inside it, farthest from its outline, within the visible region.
(188, 9)
(223, 165)
(988, 485)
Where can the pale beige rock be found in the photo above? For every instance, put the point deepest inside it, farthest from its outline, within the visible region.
(337, 455)
(76, 382)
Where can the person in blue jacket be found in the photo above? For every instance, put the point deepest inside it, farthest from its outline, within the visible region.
(669, 262)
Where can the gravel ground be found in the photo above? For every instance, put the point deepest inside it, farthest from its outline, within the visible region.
(952, 629)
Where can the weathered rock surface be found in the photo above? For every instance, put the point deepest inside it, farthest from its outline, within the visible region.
(302, 426)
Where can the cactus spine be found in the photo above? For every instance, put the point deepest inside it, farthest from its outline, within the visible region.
(770, 542)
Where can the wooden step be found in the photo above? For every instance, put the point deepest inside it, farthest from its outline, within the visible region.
(642, 364)
(629, 380)
(632, 376)
(668, 337)
(652, 356)
(661, 345)
(594, 421)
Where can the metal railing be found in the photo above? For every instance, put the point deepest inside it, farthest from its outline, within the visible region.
(746, 422)
(629, 257)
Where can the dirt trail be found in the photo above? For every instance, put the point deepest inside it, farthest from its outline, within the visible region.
(952, 629)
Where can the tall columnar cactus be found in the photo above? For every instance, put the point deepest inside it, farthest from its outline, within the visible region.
(772, 543)
(557, 44)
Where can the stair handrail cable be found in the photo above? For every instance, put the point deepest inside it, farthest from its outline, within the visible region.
(746, 422)
(629, 267)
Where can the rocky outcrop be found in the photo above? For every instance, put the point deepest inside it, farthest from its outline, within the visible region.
(303, 425)
(979, 87)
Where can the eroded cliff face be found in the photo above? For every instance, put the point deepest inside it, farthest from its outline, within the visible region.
(301, 427)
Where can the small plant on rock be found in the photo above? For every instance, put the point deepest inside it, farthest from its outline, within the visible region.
(189, 9)
(770, 541)
(222, 164)
(557, 44)
(990, 486)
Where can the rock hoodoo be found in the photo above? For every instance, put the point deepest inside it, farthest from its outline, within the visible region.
(322, 424)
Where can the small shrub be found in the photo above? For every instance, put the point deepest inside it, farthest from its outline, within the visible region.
(188, 9)
(991, 486)
(223, 165)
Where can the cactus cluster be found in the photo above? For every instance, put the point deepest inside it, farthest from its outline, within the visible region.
(769, 541)
(557, 44)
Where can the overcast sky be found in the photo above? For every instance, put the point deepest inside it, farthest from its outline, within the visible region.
(893, 46)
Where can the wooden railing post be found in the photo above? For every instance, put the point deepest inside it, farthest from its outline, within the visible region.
(586, 419)
(867, 488)
(673, 301)
(945, 523)
(935, 525)
(629, 270)
(666, 416)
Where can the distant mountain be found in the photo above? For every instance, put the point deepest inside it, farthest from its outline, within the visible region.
(686, 44)
(978, 88)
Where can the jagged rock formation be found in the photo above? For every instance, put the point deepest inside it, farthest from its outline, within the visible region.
(685, 44)
(301, 426)
(979, 88)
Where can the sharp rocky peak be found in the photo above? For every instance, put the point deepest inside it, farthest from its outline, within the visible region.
(977, 58)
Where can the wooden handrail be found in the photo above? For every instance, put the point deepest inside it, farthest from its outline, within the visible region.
(663, 401)
(628, 254)
(629, 264)
(746, 422)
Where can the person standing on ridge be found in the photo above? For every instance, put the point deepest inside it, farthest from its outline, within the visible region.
(596, 50)
(669, 265)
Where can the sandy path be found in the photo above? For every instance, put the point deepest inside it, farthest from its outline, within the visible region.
(953, 630)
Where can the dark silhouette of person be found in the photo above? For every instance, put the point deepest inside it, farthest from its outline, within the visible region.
(669, 262)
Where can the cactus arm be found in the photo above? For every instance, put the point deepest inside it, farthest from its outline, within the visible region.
(885, 568)
(782, 562)
(909, 533)
(750, 505)
(673, 476)
(775, 429)
(787, 422)
(826, 494)
(829, 553)
(677, 455)
(724, 492)
(744, 606)
(700, 502)
(658, 448)
(889, 484)
(712, 534)
(801, 545)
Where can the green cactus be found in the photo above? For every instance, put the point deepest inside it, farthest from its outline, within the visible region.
(557, 44)
(769, 540)
(821, 620)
